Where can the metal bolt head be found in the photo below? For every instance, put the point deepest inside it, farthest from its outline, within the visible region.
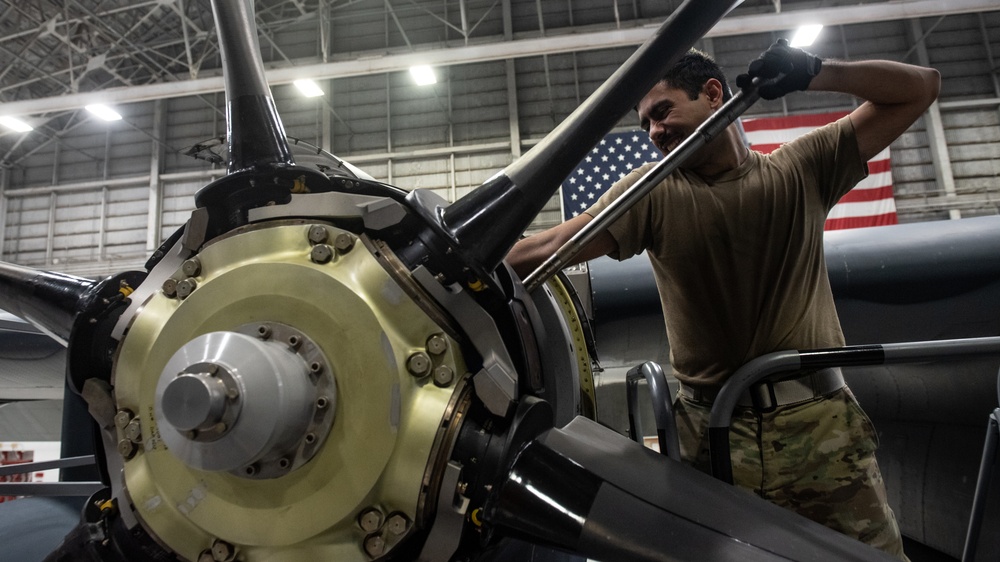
(374, 546)
(169, 287)
(436, 344)
(191, 267)
(443, 375)
(133, 431)
(343, 242)
(419, 364)
(397, 524)
(122, 418)
(263, 331)
(186, 287)
(126, 449)
(222, 551)
(321, 253)
(370, 520)
(318, 234)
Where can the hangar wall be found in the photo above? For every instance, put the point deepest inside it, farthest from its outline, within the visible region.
(99, 196)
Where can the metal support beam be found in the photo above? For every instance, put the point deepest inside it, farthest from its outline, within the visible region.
(154, 219)
(4, 182)
(935, 129)
(367, 64)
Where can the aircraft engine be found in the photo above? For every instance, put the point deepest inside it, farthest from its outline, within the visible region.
(319, 366)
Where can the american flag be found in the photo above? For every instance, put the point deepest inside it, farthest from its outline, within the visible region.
(614, 157)
(870, 203)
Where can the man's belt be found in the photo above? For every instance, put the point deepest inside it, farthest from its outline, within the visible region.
(768, 395)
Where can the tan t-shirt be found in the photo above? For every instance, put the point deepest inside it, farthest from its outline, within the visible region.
(738, 259)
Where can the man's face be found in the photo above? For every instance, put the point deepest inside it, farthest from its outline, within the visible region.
(669, 116)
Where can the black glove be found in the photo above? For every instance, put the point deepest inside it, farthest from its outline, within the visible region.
(797, 67)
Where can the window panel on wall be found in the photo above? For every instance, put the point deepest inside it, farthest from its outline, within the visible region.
(189, 121)
(425, 173)
(479, 102)
(357, 27)
(177, 203)
(360, 102)
(27, 232)
(544, 101)
(127, 213)
(419, 114)
(973, 137)
(955, 47)
(77, 227)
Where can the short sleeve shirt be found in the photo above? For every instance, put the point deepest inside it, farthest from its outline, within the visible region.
(738, 259)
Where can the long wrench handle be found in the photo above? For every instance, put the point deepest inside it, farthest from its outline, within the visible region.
(705, 133)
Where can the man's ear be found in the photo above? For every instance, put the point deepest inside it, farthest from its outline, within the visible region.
(713, 92)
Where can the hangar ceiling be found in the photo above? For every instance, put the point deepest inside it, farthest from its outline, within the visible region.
(82, 196)
(60, 54)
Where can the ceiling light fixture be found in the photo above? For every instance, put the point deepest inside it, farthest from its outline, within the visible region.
(308, 88)
(423, 75)
(15, 124)
(805, 35)
(104, 112)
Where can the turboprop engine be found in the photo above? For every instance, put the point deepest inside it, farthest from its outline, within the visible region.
(319, 366)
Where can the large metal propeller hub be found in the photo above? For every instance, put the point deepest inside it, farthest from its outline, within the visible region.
(253, 405)
(270, 373)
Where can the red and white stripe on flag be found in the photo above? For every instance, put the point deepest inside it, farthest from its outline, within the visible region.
(870, 203)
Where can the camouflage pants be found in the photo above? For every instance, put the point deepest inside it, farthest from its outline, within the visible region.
(815, 458)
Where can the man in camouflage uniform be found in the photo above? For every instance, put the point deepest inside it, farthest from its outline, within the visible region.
(735, 239)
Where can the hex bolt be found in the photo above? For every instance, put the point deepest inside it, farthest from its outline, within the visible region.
(397, 524)
(263, 331)
(294, 342)
(284, 463)
(126, 449)
(315, 367)
(343, 242)
(443, 375)
(191, 267)
(122, 418)
(186, 287)
(310, 438)
(169, 287)
(318, 234)
(321, 253)
(418, 364)
(222, 551)
(374, 546)
(370, 520)
(133, 431)
(322, 402)
(250, 469)
(436, 344)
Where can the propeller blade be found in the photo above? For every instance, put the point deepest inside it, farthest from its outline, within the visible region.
(255, 134)
(48, 300)
(484, 224)
(587, 489)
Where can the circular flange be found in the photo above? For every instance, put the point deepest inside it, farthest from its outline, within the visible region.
(249, 405)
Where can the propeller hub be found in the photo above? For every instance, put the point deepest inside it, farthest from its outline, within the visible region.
(254, 405)
(194, 401)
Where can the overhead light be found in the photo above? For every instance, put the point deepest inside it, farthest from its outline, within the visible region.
(805, 35)
(423, 75)
(104, 112)
(308, 88)
(15, 124)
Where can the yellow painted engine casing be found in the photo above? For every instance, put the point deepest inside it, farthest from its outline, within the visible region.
(387, 426)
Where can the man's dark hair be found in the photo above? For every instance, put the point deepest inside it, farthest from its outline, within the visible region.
(692, 71)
